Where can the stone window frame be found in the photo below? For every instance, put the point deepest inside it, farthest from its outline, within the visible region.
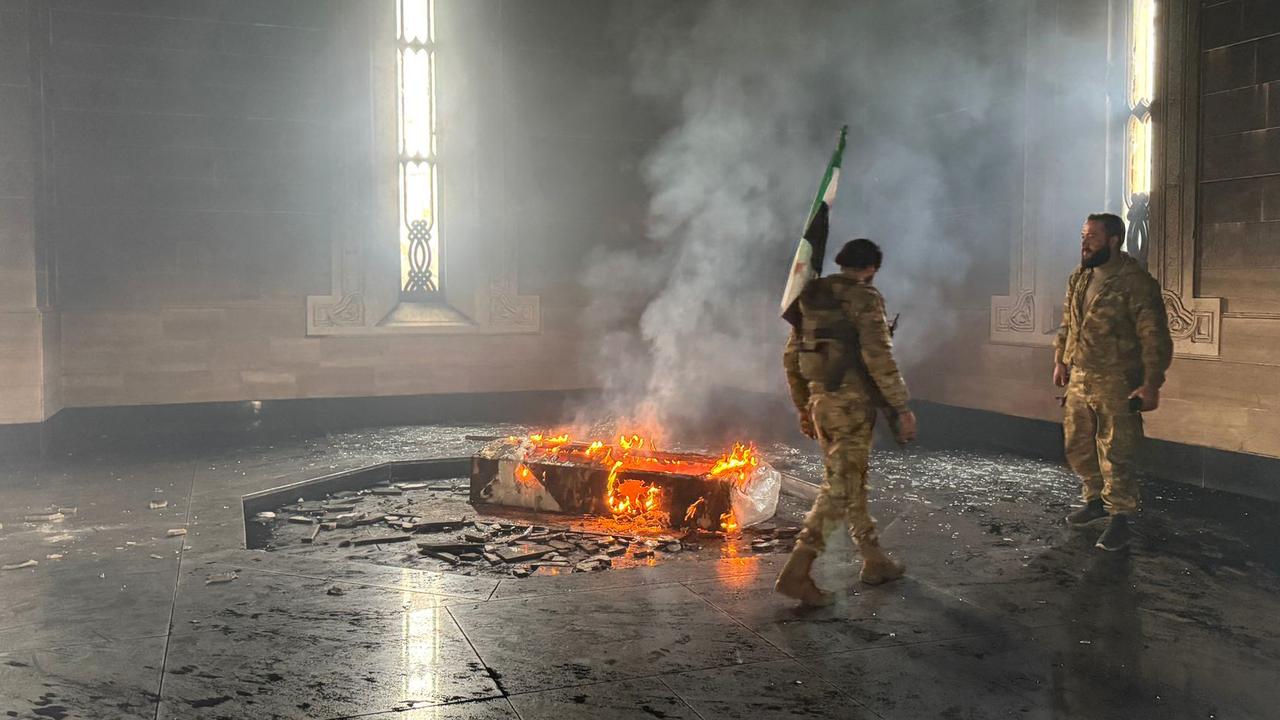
(482, 295)
(1030, 313)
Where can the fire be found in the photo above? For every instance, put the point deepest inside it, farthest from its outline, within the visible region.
(692, 512)
(728, 523)
(631, 498)
(526, 477)
(737, 463)
(635, 499)
(635, 442)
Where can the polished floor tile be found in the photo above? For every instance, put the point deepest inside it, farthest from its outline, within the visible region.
(1004, 612)
(68, 602)
(496, 709)
(990, 677)
(312, 667)
(902, 612)
(782, 689)
(642, 699)
(111, 681)
(600, 636)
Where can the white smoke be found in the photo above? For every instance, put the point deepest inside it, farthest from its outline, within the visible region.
(761, 88)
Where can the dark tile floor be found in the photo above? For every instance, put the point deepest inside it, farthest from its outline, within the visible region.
(1004, 613)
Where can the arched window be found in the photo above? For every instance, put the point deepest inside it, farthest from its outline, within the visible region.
(419, 186)
(1139, 133)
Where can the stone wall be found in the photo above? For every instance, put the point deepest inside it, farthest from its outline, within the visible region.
(184, 152)
(28, 376)
(192, 197)
(1240, 178)
(1231, 400)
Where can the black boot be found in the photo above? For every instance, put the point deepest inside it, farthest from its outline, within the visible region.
(1117, 535)
(1092, 512)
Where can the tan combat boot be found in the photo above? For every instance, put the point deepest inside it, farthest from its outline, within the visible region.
(877, 567)
(794, 580)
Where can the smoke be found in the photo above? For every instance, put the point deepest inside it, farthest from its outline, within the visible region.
(759, 89)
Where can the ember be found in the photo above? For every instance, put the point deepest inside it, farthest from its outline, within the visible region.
(629, 480)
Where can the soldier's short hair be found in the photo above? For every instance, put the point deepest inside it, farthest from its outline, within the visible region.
(858, 254)
(1112, 224)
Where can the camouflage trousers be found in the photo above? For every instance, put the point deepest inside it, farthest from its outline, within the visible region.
(844, 424)
(1102, 438)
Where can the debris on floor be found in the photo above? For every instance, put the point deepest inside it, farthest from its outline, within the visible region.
(176, 532)
(21, 565)
(221, 578)
(448, 533)
(158, 504)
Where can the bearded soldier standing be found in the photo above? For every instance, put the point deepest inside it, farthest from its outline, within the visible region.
(841, 371)
(1111, 354)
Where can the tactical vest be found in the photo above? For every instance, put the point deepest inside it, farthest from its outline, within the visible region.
(829, 347)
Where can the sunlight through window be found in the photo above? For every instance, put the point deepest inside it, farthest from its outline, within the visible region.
(419, 174)
(1139, 131)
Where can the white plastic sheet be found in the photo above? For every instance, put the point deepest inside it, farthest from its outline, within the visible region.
(757, 500)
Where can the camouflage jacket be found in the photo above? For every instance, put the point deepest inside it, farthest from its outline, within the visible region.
(1123, 332)
(872, 373)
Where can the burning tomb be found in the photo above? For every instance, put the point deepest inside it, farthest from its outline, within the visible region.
(628, 480)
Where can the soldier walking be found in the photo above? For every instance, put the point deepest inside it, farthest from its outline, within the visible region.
(1111, 354)
(840, 369)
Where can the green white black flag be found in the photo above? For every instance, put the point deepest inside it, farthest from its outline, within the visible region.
(813, 243)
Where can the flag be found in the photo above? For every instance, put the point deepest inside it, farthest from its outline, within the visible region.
(813, 242)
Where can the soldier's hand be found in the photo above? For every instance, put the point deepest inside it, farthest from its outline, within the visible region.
(1149, 395)
(907, 427)
(1061, 374)
(806, 426)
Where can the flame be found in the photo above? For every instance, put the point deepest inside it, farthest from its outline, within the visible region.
(525, 476)
(635, 442)
(738, 463)
(631, 498)
(692, 512)
(728, 522)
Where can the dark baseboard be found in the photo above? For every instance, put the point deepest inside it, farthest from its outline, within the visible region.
(222, 423)
(951, 427)
(22, 439)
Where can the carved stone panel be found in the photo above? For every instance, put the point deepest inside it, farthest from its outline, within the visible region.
(1194, 323)
(346, 311)
(509, 309)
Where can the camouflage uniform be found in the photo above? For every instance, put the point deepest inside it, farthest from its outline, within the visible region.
(845, 416)
(1114, 343)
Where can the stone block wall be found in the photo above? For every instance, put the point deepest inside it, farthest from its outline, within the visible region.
(1231, 401)
(1240, 177)
(28, 385)
(191, 199)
